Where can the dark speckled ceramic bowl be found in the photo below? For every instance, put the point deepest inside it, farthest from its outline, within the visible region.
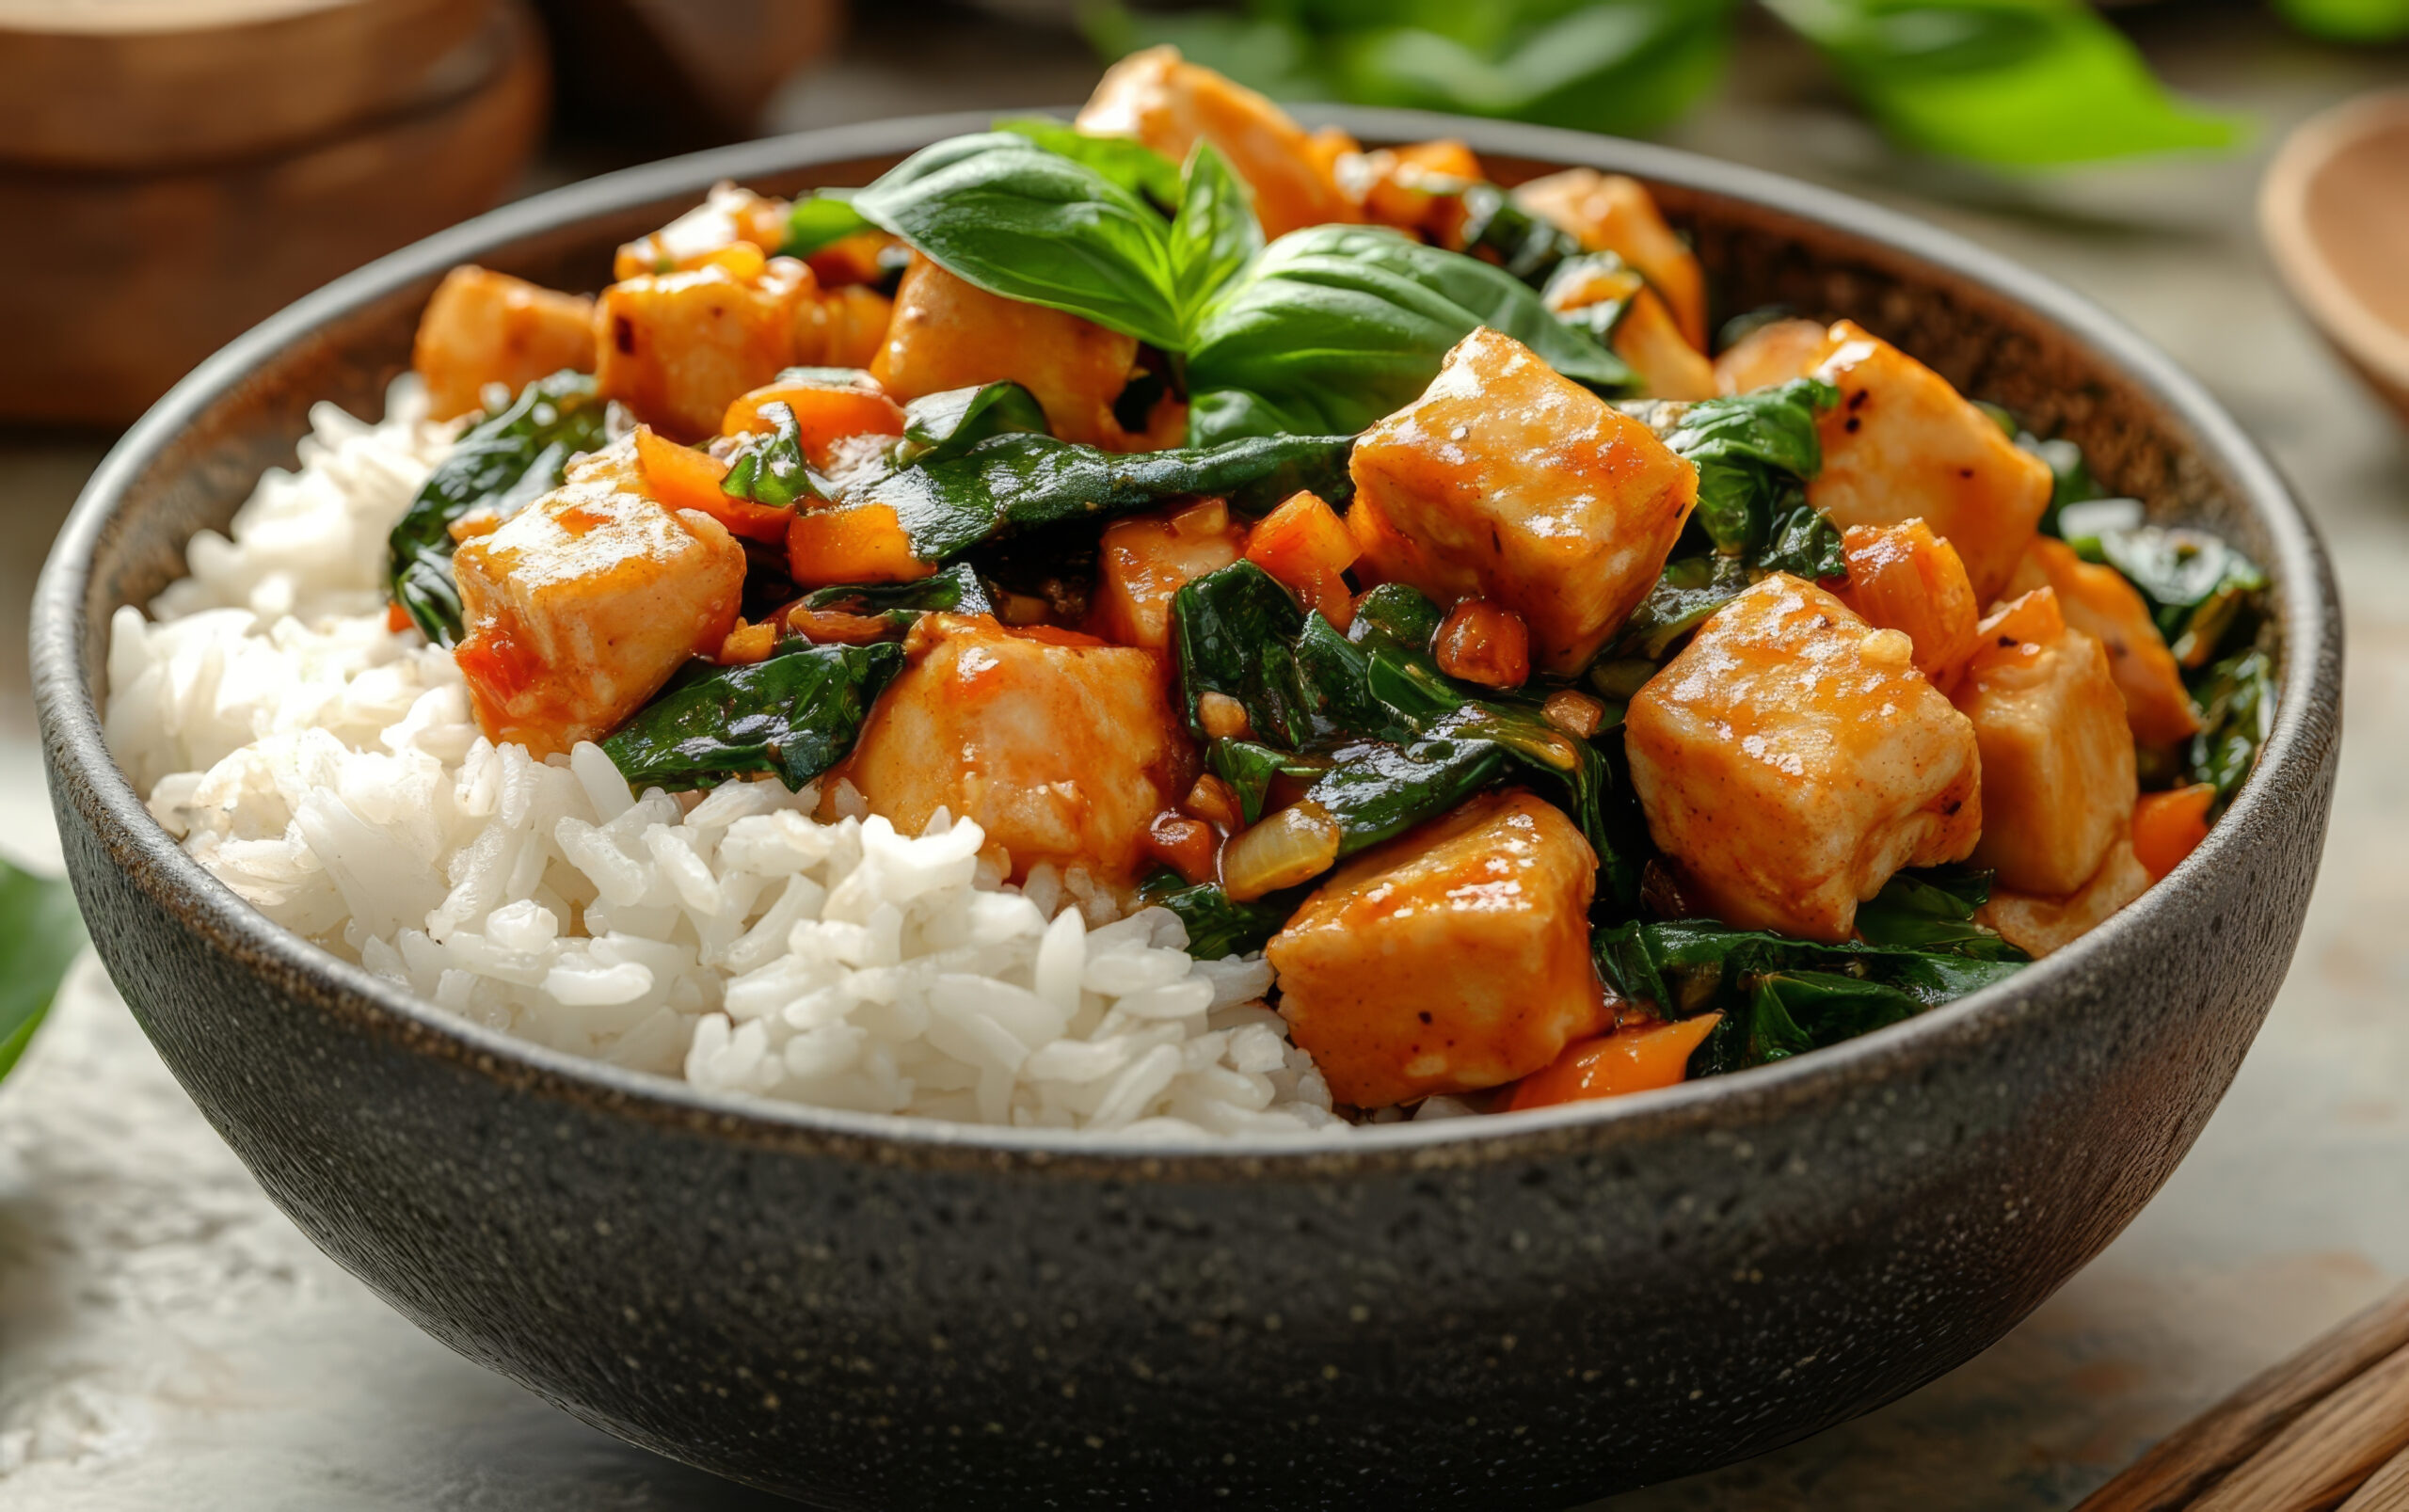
(866, 1311)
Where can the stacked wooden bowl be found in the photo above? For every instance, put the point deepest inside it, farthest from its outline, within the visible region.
(173, 170)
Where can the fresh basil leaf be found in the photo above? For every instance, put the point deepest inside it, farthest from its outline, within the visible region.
(769, 468)
(2016, 84)
(1332, 327)
(1132, 165)
(1217, 927)
(942, 426)
(41, 935)
(1213, 235)
(820, 219)
(793, 716)
(503, 463)
(956, 590)
(1002, 212)
(1011, 483)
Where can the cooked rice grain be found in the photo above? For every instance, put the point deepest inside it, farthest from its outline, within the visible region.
(327, 769)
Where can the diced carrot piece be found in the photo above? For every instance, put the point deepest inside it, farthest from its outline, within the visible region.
(2169, 826)
(397, 619)
(1186, 845)
(1484, 642)
(851, 543)
(825, 414)
(680, 477)
(747, 644)
(1307, 546)
(1904, 578)
(1626, 1061)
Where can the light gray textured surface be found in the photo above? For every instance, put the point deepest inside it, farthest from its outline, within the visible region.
(167, 1339)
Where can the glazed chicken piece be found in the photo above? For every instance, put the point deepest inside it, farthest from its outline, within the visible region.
(1609, 213)
(1508, 482)
(677, 347)
(1063, 747)
(1775, 352)
(1451, 959)
(1418, 187)
(2097, 600)
(1904, 578)
(1792, 759)
(1143, 560)
(483, 327)
(949, 333)
(1901, 445)
(2058, 784)
(726, 216)
(2038, 925)
(1156, 98)
(583, 603)
(1644, 337)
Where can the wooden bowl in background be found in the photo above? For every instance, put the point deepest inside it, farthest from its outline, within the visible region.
(2334, 210)
(196, 179)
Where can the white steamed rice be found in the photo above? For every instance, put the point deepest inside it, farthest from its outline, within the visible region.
(327, 769)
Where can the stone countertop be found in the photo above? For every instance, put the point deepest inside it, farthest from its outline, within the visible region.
(168, 1340)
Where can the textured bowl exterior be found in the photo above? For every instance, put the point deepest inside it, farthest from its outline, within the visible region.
(861, 1311)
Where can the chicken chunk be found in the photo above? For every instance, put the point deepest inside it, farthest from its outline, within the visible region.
(2038, 925)
(1904, 578)
(1645, 336)
(726, 216)
(1418, 187)
(2058, 783)
(484, 327)
(1508, 482)
(844, 326)
(677, 347)
(1609, 213)
(1775, 352)
(1156, 98)
(1901, 445)
(949, 333)
(2099, 601)
(1792, 759)
(582, 604)
(1451, 959)
(1063, 748)
(1143, 560)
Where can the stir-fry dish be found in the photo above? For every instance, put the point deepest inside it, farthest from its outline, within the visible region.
(1380, 569)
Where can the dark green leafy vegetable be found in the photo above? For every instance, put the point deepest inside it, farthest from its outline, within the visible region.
(954, 591)
(820, 219)
(1003, 212)
(1234, 632)
(2237, 702)
(1017, 482)
(769, 468)
(1376, 791)
(941, 426)
(1217, 927)
(1132, 165)
(1600, 318)
(1752, 451)
(2198, 586)
(1532, 247)
(793, 716)
(503, 463)
(1780, 996)
(41, 935)
(1933, 910)
(1249, 767)
(1334, 327)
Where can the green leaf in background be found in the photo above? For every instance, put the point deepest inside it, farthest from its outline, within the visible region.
(792, 717)
(820, 219)
(1000, 211)
(1332, 327)
(1134, 165)
(1267, 51)
(2015, 83)
(41, 934)
(2349, 20)
(501, 463)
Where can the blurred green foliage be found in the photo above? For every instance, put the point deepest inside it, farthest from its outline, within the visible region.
(2349, 20)
(2011, 83)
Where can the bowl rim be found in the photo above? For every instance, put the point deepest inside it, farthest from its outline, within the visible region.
(84, 773)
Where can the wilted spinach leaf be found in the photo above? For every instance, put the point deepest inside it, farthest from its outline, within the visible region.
(501, 463)
(1751, 451)
(793, 716)
(1933, 910)
(41, 935)
(2198, 586)
(941, 426)
(769, 467)
(954, 591)
(1531, 248)
(2237, 702)
(1218, 927)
